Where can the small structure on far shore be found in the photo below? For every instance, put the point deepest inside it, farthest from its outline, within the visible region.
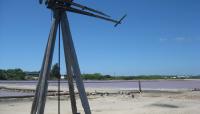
(32, 75)
(139, 85)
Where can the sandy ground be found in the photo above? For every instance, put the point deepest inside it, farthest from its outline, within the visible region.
(149, 102)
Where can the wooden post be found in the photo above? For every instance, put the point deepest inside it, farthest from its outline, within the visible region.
(42, 86)
(68, 43)
(139, 85)
(69, 64)
(72, 65)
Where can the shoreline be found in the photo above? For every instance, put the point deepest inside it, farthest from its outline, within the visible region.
(151, 102)
(90, 91)
(104, 100)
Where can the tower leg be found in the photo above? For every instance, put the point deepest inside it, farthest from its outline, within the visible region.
(70, 74)
(68, 61)
(42, 87)
(35, 100)
(68, 44)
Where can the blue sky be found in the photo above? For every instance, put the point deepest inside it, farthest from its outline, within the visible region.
(157, 37)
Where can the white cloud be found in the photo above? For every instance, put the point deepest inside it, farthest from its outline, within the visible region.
(180, 39)
(163, 39)
(175, 39)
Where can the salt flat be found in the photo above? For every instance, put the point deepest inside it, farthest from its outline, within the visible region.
(149, 102)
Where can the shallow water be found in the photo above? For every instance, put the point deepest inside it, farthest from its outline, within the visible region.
(148, 84)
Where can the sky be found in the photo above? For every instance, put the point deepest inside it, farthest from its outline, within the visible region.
(157, 37)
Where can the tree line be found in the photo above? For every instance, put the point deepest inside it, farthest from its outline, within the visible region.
(19, 74)
(12, 74)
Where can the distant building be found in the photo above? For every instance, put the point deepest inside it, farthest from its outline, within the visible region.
(183, 76)
(173, 77)
(35, 75)
(32, 75)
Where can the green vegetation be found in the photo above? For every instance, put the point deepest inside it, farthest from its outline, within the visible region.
(144, 77)
(98, 76)
(18, 74)
(55, 72)
(12, 74)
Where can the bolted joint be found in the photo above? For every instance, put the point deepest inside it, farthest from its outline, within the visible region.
(50, 4)
(58, 4)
